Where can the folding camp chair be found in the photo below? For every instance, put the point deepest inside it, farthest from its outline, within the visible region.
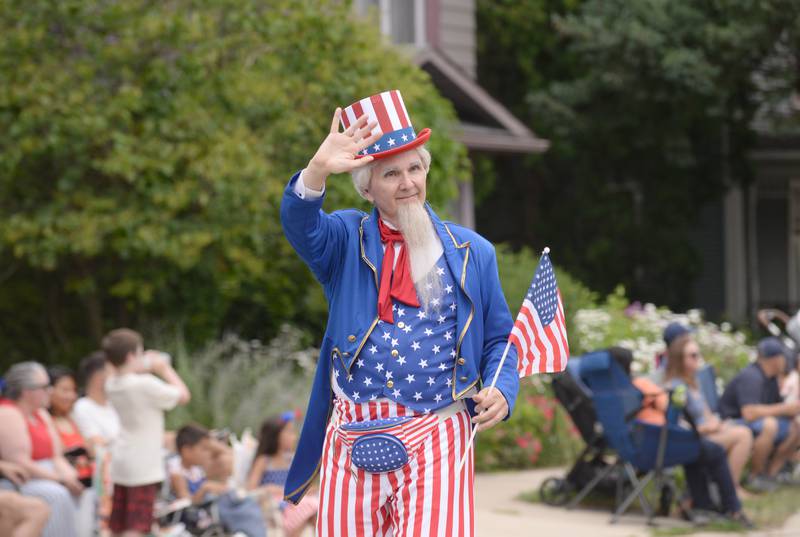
(707, 383)
(640, 447)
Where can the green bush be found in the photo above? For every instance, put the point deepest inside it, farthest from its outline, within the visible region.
(540, 433)
(640, 327)
(516, 270)
(237, 384)
(144, 150)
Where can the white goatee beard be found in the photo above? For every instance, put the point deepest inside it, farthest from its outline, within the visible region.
(421, 240)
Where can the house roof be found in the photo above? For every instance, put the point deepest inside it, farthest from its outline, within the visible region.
(486, 125)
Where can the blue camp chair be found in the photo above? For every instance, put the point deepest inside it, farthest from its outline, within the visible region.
(640, 447)
(707, 383)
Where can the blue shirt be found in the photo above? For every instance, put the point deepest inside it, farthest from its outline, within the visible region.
(696, 404)
(412, 360)
(750, 387)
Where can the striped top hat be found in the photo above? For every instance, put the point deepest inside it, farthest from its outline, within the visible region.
(389, 112)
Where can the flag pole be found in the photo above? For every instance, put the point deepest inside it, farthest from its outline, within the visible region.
(475, 428)
(494, 382)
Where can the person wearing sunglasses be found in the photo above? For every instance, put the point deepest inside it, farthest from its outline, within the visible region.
(29, 439)
(684, 360)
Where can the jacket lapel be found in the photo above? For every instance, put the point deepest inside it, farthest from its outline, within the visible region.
(455, 253)
(371, 247)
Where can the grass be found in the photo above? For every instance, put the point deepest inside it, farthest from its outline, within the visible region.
(767, 511)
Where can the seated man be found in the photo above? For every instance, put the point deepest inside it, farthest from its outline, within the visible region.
(186, 473)
(202, 470)
(754, 398)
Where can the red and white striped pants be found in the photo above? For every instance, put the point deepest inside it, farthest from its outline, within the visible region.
(426, 497)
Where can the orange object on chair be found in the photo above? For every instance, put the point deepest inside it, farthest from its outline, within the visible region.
(654, 403)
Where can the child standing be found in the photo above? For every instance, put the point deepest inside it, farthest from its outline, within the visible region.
(142, 387)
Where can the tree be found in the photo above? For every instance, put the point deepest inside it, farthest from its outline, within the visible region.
(144, 149)
(649, 106)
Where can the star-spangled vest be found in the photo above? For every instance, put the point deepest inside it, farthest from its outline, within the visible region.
(412, 361)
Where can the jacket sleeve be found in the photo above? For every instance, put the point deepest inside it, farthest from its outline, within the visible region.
(318, 237)
(497, 324)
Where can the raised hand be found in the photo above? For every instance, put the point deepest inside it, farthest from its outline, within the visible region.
(339, 150)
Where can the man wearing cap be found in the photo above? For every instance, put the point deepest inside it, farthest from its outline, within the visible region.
(417, 323)
(753, 396)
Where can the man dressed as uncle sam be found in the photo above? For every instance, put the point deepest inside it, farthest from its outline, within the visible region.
(417, 324)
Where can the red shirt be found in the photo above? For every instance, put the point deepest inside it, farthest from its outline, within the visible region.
(38, 431)
(71, 440)
(41, 443)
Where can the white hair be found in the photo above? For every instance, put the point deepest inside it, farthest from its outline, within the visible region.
(21, 377)
(363, 175)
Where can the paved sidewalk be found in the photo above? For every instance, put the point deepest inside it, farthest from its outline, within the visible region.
(498, 513)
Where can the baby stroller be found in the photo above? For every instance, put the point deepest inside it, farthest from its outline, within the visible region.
(186, 519)
(574, 396)
(788, 330)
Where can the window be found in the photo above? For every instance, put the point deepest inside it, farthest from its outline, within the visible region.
(402, 20)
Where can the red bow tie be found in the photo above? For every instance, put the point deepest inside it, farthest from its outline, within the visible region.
(396, 284)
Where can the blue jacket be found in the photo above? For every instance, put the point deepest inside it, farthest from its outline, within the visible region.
(344, 251)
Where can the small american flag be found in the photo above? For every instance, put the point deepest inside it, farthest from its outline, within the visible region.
(540, 333)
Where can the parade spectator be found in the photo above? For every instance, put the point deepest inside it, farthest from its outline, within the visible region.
(28, 438)
(20, 516)
(187, 470)
(712, 467)
(96, 418)
(276, 446)
(202, 471)
(140, 398)
(63, 395)
(753, 396)
(683, 362)
(98, 422)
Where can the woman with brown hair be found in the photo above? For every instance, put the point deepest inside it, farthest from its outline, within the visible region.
(276, 445)
(683, 362)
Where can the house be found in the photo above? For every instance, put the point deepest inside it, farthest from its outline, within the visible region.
(751, 237)
(760, 235)
(440, 36)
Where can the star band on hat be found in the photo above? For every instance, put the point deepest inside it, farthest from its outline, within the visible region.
(389, 112)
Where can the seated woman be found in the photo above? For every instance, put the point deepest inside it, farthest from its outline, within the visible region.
(62, 399)
(28, 438)
(683, 362)
(276, 445)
